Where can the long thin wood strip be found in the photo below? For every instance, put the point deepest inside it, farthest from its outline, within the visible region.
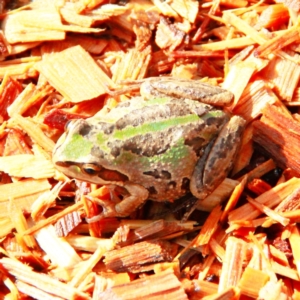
(54, 218)
(270, 198)
(88, 265)
(41, 281)
(231, 268)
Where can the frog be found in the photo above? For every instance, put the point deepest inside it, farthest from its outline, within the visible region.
(174, 138)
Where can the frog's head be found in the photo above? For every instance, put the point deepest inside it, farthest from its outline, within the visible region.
(78, 155)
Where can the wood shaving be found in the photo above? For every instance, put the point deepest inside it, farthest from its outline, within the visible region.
(64, 60)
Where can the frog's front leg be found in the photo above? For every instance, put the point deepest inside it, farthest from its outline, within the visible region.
(137, 196)
(217, 160)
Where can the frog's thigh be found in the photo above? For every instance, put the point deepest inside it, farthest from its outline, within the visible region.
(137, 196)
(213, 167)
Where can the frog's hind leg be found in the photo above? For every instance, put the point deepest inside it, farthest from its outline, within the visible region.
(137, 196)
(215, 164)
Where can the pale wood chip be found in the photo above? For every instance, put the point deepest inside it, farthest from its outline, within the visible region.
(89, 243)
(273, 15)
(27, 26)
(35, 292)
(291, 203)
(20, 224)
(27, 165)
(59, 251)
(46, 200)
(28, 97)
(252, 281)
(87, 266)
(280, 41)
(222, 192)
(285, 271)
(254, 99)
(235, 253)
(132, 66)
(242, 26)
(64, 71)
(13, 288)
(88, 4)
(22, 188)
(23, 194)
(187, 9)
(71, 15)
(168, 36)
(270, 198)
(34, 131)
(41, 281)
(159, 228)
(292, 4)
(284, 75)
(236, 83)
(165, 8)
(21, 70)
(164, 284)
(269, 212)
(273, 290)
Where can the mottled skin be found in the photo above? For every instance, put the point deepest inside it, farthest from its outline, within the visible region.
(156, 149)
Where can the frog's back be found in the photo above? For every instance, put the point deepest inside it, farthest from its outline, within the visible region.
(156, 143)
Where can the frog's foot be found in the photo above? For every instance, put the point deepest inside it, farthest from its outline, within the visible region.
(137, 196)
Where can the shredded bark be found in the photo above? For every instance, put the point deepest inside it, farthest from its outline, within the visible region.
(65, 60)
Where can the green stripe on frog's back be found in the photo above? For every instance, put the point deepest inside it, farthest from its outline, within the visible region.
(154, 138)
(137, 117)
(154, 126)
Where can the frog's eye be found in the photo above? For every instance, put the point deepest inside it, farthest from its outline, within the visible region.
(91, 169)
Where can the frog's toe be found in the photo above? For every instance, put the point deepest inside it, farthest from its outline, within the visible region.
(94, 219)
(108, 211)
(137, 196)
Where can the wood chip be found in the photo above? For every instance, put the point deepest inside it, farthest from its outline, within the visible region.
(164, 284)
(134, 256)
(90, 84)
(65, 60)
